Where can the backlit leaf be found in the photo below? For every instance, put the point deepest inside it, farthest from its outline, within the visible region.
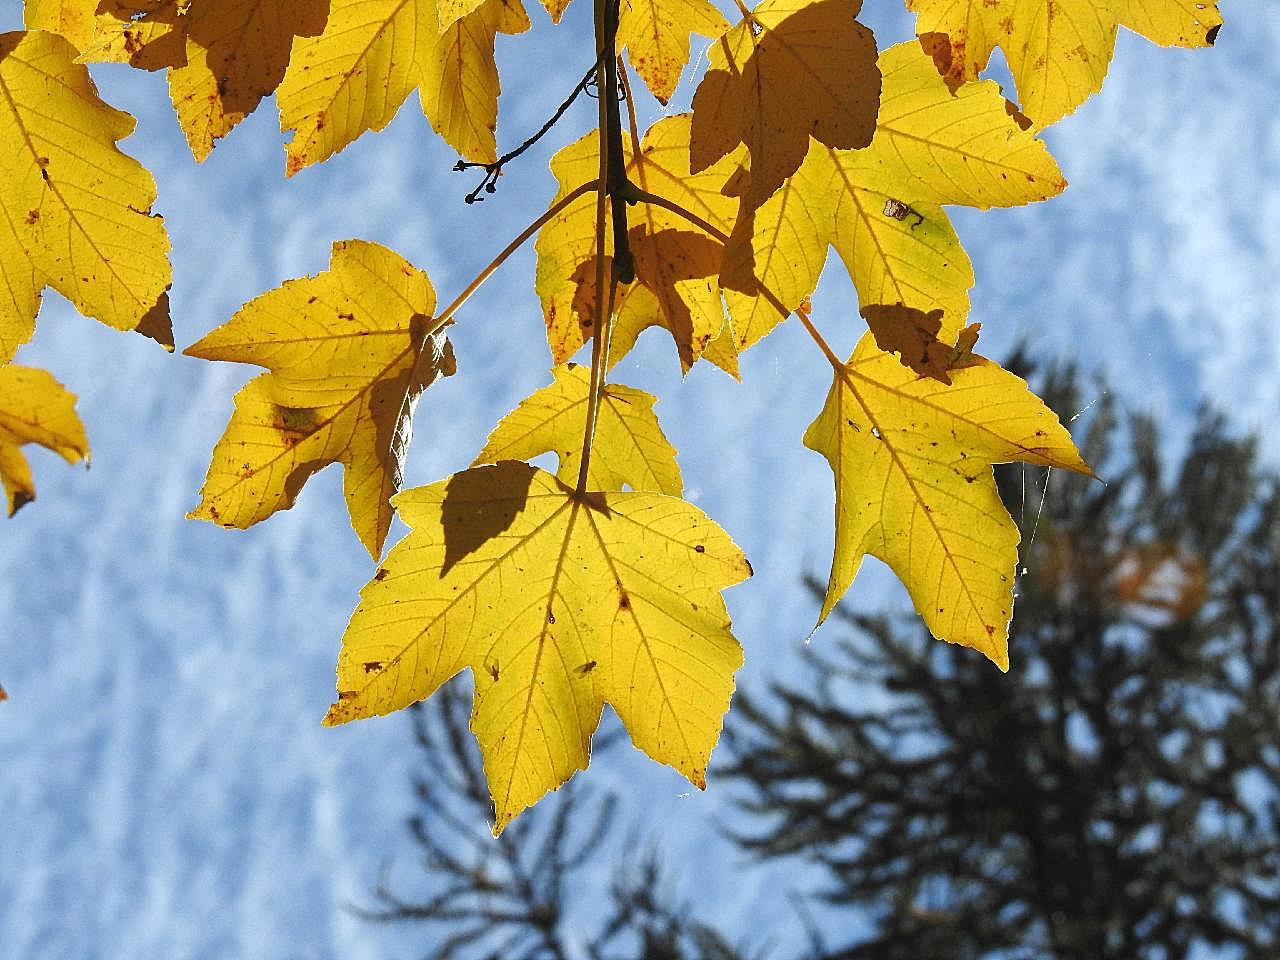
(878, 206)
(223, 56)
(558, 604)
(74, 210)
(656, 35)
(914, 486)
(374, 53)
(34, 408)
(349, 352)
(1058, 51)
(669, 253)
(796, 69)
(629, 449)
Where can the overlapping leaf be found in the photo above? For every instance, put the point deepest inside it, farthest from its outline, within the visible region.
(878, 207)
(223, 56)
(1059, 51)
(74, 210)
(656, 35)
(558, 604)
(349, 350)
(676, 264)
(34, 409)
(629, 450)
(794, 69)
(370, 57)
(914, 487)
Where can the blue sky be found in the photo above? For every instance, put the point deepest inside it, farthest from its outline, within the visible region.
(165, 787)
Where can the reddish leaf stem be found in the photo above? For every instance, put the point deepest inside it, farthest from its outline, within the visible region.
(447, 313)
(603, 324)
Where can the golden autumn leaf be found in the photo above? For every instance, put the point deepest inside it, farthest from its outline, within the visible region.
(34, 408)
(669, 254)
(223, 56)
(558, 604)
(1058, 52)
(629, 448)
(656, 35)
(914, 486)
(878, 207)
(349, 352)
(794, 69)
(72, 19)
(373, 53)
(74, 210)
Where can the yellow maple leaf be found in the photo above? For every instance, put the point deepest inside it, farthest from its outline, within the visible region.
(878, 207)
(668, 252)
(74, 210)
(223, 56)
(370, 57)
(73, 19)
(349, 351)
(629, 448)
(559, 604)
(1058, 52)
(656, 35)
(34, 408)
(914, 486)
(794, 69)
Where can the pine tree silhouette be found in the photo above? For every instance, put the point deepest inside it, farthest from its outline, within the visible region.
(530, 894)
(1115, 794)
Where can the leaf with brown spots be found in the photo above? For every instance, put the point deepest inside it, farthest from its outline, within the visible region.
(912, 462)
(656, 36)
(75, 212)
(350, 350)
(1059, 50)
(559, 604)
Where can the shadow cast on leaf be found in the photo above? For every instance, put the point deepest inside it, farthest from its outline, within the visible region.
(480, 504)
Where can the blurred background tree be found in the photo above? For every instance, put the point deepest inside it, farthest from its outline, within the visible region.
(530, 894)
(1116, 795)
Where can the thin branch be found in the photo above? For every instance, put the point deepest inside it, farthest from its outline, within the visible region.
(623, 269)
(492, 171)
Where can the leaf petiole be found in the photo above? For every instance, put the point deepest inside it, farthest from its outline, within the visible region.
(637, 195)
(447, 313)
